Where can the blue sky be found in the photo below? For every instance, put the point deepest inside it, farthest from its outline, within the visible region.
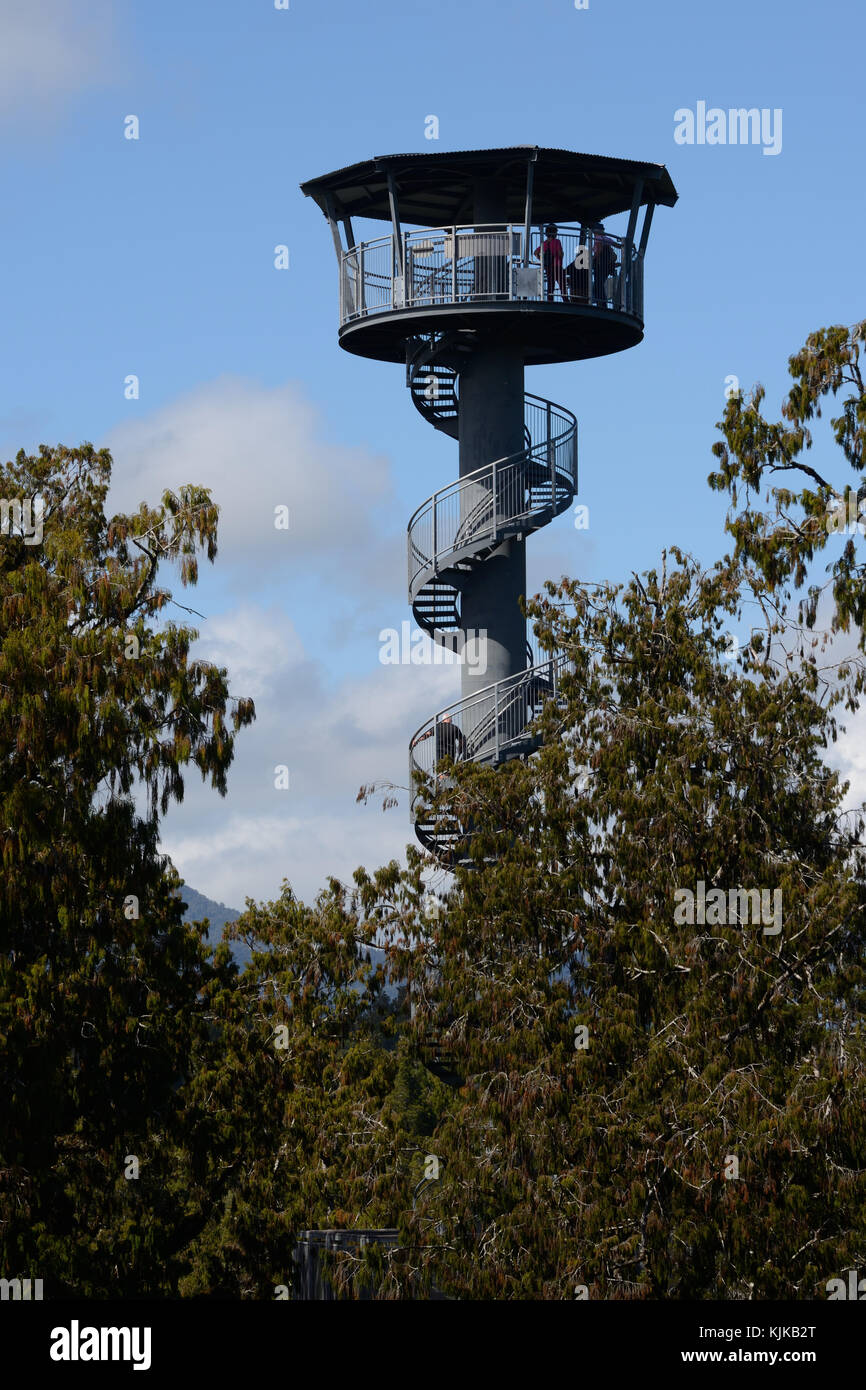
(156, 257)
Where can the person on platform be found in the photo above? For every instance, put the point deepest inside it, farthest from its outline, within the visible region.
(450, 742)
(577, 275)
(603, 261)
(551, 255)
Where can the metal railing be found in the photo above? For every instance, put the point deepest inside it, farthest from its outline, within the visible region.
(458, 265)
(490, 724)
(514, 491)
(309, 1281)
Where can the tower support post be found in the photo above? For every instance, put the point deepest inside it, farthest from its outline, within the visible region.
(491, 427)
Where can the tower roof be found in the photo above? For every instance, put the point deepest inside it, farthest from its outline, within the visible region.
(437, 190)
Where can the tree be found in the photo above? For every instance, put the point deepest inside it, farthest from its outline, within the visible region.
(301, 1117)
(100, 980)
(809, 510)
(652, 1108)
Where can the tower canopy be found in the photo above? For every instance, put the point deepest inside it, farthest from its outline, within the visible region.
(438, 190)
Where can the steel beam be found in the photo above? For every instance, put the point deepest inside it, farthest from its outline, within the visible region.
(395, 223)
(527, 221)
(331, 215)
(632, 218)
(645, 229)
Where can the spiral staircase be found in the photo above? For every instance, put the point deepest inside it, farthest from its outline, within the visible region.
(455, 531)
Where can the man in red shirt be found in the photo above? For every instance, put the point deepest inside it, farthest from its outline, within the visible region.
(550, 251)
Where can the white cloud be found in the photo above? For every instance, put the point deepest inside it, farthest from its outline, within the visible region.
(333, 741)
(50, 50)
(256, 645)
(848, 756)
(250, 856)
(257, 448)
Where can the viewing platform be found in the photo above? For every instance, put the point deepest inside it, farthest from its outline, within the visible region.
(447, 279)
(464, 251)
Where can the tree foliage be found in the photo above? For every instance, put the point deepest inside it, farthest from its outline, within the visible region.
(99, 978)
(604, 1165)
(812, 506)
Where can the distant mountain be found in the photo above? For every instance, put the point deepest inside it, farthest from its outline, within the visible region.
(198, 907)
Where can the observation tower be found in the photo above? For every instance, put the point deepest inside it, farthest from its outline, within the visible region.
(468, 287)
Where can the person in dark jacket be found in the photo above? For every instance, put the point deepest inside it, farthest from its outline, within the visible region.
(577, 275)
(450, 742)
(603, 261)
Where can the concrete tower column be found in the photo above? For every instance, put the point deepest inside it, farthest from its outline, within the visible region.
(490, 428)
